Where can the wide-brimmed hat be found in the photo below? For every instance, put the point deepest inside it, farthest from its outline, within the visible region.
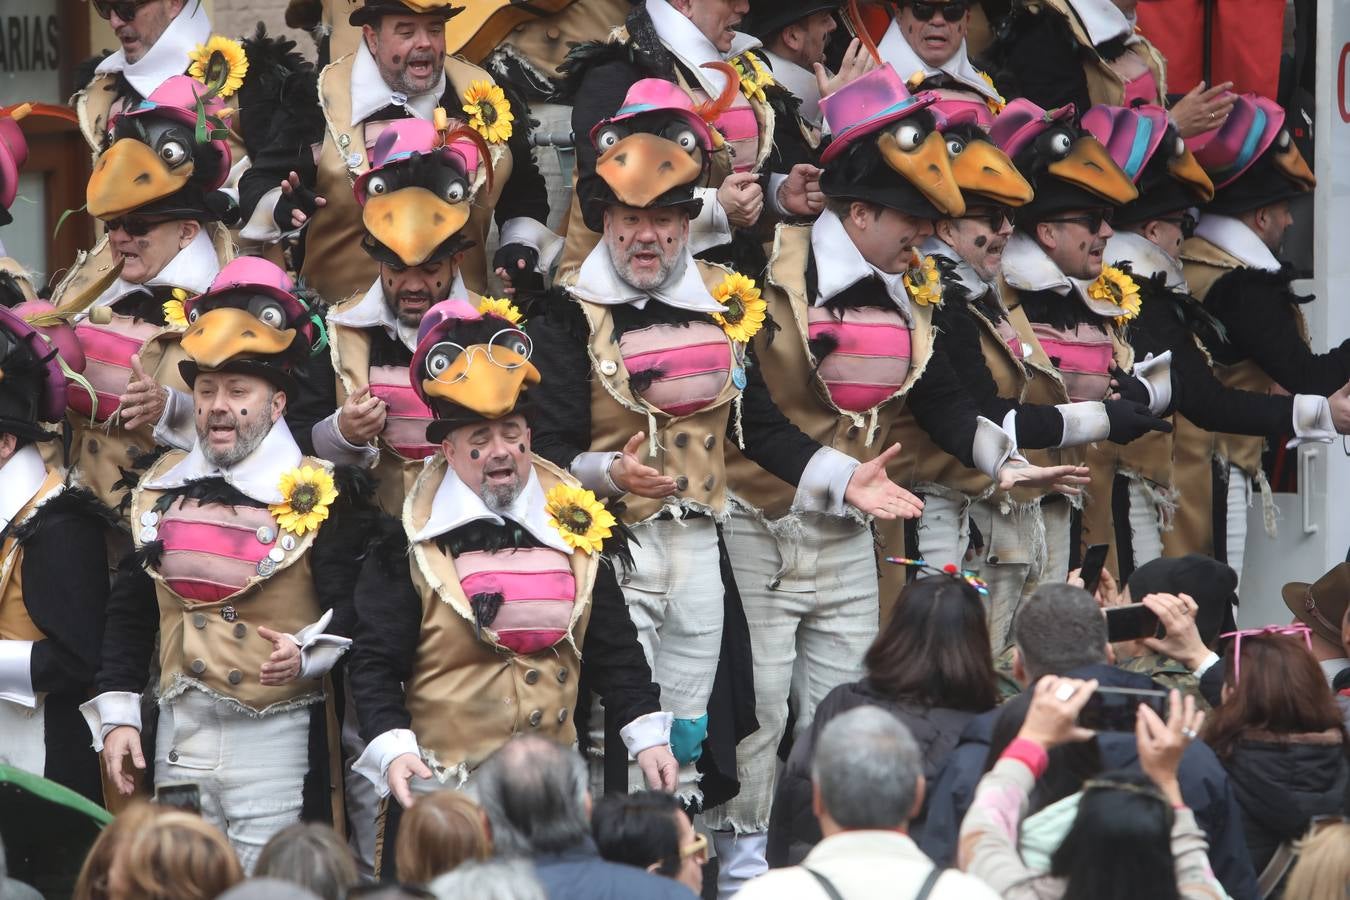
(1146, 145)
(768, 17)
(13, 154)
(371, 11)
(32, 382)
(1252, 159)
(1321, 605)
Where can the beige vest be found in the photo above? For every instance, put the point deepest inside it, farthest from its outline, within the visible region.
(580, 240)
(543, 42)
(790, 371)
(688, 448)
(15, 623)
(335, 265)
(1105, 84)
(216, 645)
(468, 695)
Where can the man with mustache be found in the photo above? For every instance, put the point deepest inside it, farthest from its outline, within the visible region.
(244, 563)
(399, 70)
(482, 608)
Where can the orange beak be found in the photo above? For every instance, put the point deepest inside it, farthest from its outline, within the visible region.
(413, 222)
(1089, 166)
(929, 168)
(985, 169)
(127, 176)
(1291, 163)
(642, 167)
(225, 333)
(493, 390)
(1185, 169)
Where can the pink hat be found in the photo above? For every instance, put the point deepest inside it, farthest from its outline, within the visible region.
(651, 95)
(176, 99)
(960, 109)
(52, 403)
(866, 105)
(255, 275)
(437, 320)
(1022, 121)
(59, 333)
(1130, 135)
(1229, 150)
(406, 137)
(13, 154)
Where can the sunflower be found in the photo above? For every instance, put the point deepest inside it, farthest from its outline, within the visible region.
(1117, 288)
(924, 282)
(501, 308)
(174, 316)
(489, 113)
(307, 493)
(219, 63)
(995, 103)
(745, 308)
(582, 520)
(754, 76)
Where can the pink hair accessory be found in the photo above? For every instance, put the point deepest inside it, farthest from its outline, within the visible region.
(1238, 635)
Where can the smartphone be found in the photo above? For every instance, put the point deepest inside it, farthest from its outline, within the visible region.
(1132, 622)
(1091, 571)
(1113, 709)
(184, 795)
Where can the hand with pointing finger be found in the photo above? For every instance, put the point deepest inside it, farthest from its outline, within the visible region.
(361, 417)
(283, 666)
(144, 399)
(632, 476)
(857, 61)
(871, 491)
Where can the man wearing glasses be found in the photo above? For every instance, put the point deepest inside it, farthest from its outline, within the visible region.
(926, 43)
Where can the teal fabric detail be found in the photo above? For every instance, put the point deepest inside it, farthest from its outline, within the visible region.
(686, 739)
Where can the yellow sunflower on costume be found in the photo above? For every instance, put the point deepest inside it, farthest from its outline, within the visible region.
(501, 308)
(924, 282)
(745, 308)
(220, 61)
(1117, 288)
(306, 492)
(174, 316)
(582, 520)
(995, 106)
(489, 113)
(755, 77)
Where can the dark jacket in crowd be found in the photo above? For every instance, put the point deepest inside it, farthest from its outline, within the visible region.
(580, 874)
(793, 828)
(1204, 786)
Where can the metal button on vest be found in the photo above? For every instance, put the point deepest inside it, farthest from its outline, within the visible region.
(553, 34)
(198, 621)
(265, 534)
(173, 756)
(608, 367)
(681, 440)
(562, 716)
(228, 613)
(532, 676)
(240, 630)
(682, 483)
(198, 666)
(235, 676)
(536, 717)
(562, 676)
(709, 442)
(709, 482)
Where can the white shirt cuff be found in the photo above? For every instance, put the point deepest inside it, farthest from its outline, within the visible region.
(110, 710)
(16, 673)
(993, 446)
(645, 732)
(1207, 664)
(176, 427)
(592, 470)
(374, 762)
(823, 483)
(1084, 422)
(711, 228)
(262, 225)
(329, 444)
(1156, 374)
(1312, 420)
(536, 235)
(776, 180)
(319, 652)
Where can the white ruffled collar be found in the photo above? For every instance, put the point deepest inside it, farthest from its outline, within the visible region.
(373, 312)
(599, 282)
(1104, 21)
(895, 50)
(839, 265)
(682, 38)
(456, 504)
(370, 93)
(1027, 267)
(1146, 259)
(1234, 237)
(257, 475)
(167, 56)
(801, 83)
(192, 268)
(20, 479)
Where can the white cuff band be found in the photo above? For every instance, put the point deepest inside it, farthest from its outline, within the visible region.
(319, 652)
(645, 732)
(176, 427)
(711, 228)
(823, 483)
(992, 447)
(1206, 665)
(374, 762)
(776, 180)
(537, 236)
(1156, 374)
(1312, 420)
(329, 444)
(16, 673)
(110, 710)
(1084, 422)
(262, 225)
(592, 470)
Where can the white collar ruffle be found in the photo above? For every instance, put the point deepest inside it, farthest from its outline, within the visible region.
(1027, 267)
(257, 475)
(1146, 259)
(682, 38)
(599, 282)
(457, 504)
(840, 265)
(371, 311)
(801, 83)
(1234, 237)
(167, 56)
(1104, 21)
(192, 268)
(895, 50)
(20, 479)
(371, 94)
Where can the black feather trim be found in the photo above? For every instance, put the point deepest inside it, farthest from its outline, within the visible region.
(638, 382)
(276, 71)
(485, 607)
(389, 547)
(74, 501)
(208, 490)
(85, 70)
(643, 50)
(144, 557)
(486, 537)
(822, 345)
(615, 549)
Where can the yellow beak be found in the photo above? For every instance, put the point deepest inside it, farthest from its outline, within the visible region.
(129, 175)
(1291, 163)
(225, 333)
(413, 222)
(642, 167)
(929, 168)
(1089, 166)
(492, 390)
(985, 169)
(1185, 169)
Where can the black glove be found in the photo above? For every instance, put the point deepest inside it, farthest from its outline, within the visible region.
(1129, 387)
(301, 198)
(1130, 420)
(509, 257)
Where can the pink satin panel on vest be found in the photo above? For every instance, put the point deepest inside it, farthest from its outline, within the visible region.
(107, 351)
(871, 357)
(1082, 356)
(693, 363)
(405, 424)
(538, 592)
(212, 550)
(740, 128)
